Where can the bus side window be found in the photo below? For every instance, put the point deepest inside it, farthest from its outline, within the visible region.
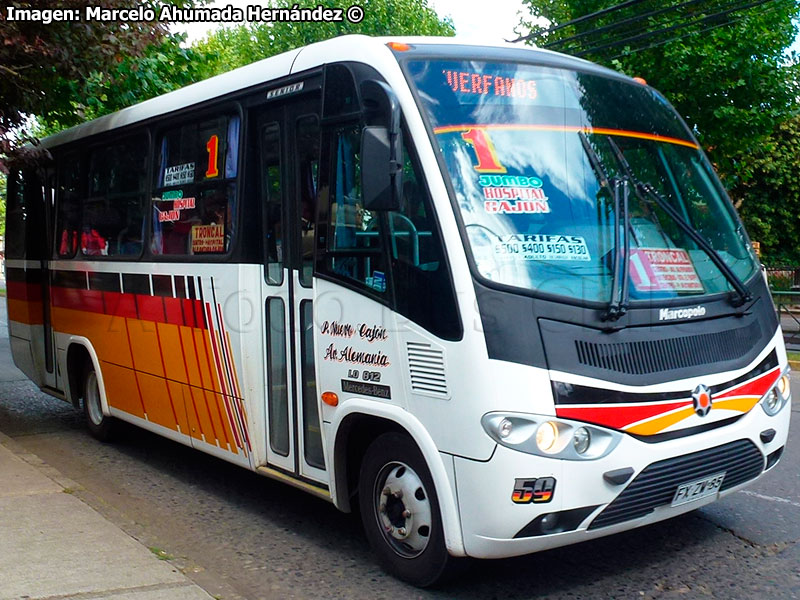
(16, 216)
(69, 205)
(194, 202)
(354, 243)
(355, 252)
(422, 283)
(113, 211)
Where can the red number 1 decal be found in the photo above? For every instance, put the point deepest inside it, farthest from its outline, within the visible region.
(488, 162)
(212, 146)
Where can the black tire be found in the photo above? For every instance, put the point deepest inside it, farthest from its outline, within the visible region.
(100, 425)
(405, 532)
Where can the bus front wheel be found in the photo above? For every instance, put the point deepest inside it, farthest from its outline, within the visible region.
(100, 425)
(400, 511)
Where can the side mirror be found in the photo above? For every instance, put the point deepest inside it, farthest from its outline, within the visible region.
(381, 175)
(381, 148)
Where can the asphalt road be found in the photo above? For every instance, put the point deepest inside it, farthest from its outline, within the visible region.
(241, 536)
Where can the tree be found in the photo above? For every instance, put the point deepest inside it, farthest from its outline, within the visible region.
(47, 68)
(160, 68)
(725, 71)
(2, 205)
(772, 195)
(231, 47)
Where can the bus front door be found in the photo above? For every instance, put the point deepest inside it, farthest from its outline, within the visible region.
(288, 138)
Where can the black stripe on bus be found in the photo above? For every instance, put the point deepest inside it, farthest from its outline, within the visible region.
(202, 302)
(136, 283)
(162, 286)
(567, 393)
(19, 275)
(70, 279)
(104, 282)
(180, 286)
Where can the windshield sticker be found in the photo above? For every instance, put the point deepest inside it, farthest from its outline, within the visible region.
(519, 206)
(485, 152)
(208, 238)
(663, 269)
(513, 187)
(179, 174)
(542, 247)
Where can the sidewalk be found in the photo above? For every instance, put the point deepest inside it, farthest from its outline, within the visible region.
(53, 546)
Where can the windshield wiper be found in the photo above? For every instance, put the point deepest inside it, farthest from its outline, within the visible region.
(618, 305)
(648, 190)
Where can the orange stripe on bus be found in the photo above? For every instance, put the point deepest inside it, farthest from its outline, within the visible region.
(570, 128)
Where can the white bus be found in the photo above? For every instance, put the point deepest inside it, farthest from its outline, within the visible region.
(493, 298)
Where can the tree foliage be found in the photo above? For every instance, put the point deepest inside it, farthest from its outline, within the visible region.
(160, 68)
(231, 47)
(772, 195)
(61, 72)
(726, 74)
(3, 184)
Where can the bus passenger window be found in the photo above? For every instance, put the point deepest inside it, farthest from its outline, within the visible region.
(16, 216)
(113, 211)
(69, 206)
(194, 203)
(354, 245)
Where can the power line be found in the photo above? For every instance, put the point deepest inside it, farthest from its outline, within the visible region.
(680, 37)
(674, 27)
(617, 24)
(588, 17)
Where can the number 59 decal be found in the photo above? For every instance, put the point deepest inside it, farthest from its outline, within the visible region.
(539, 490)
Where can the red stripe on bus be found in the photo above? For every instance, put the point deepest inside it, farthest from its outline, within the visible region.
(198, 315)
(188, 312)
(20, 290)
(151, 308)
(84, 300)
(222, 379)
(617, 416)
(173, 312)
(120, 305)
(756, 387)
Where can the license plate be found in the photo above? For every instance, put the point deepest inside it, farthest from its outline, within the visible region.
(695, 490)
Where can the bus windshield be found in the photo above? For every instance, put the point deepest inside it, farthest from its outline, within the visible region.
(553, 169)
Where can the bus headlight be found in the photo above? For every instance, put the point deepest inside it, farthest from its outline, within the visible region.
(778, 395)
(505, 428)
(581, 440)
(548, 436)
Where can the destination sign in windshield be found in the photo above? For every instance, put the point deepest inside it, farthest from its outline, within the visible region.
(467, 82)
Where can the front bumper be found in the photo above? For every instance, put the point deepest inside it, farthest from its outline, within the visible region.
(494, 526)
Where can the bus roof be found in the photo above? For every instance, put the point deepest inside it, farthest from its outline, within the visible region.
(349, 47)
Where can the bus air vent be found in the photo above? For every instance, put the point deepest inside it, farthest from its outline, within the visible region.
(657, 355)
(426, 367)
(655, 486)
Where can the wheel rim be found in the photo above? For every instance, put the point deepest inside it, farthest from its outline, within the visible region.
(403, 509)
(92, 399)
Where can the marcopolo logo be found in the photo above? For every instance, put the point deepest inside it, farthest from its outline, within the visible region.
(668, 314)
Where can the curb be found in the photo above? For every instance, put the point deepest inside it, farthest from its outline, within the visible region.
(67, 484)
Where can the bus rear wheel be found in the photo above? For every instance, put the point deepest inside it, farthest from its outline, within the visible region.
(100, 425)
(400, 511)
